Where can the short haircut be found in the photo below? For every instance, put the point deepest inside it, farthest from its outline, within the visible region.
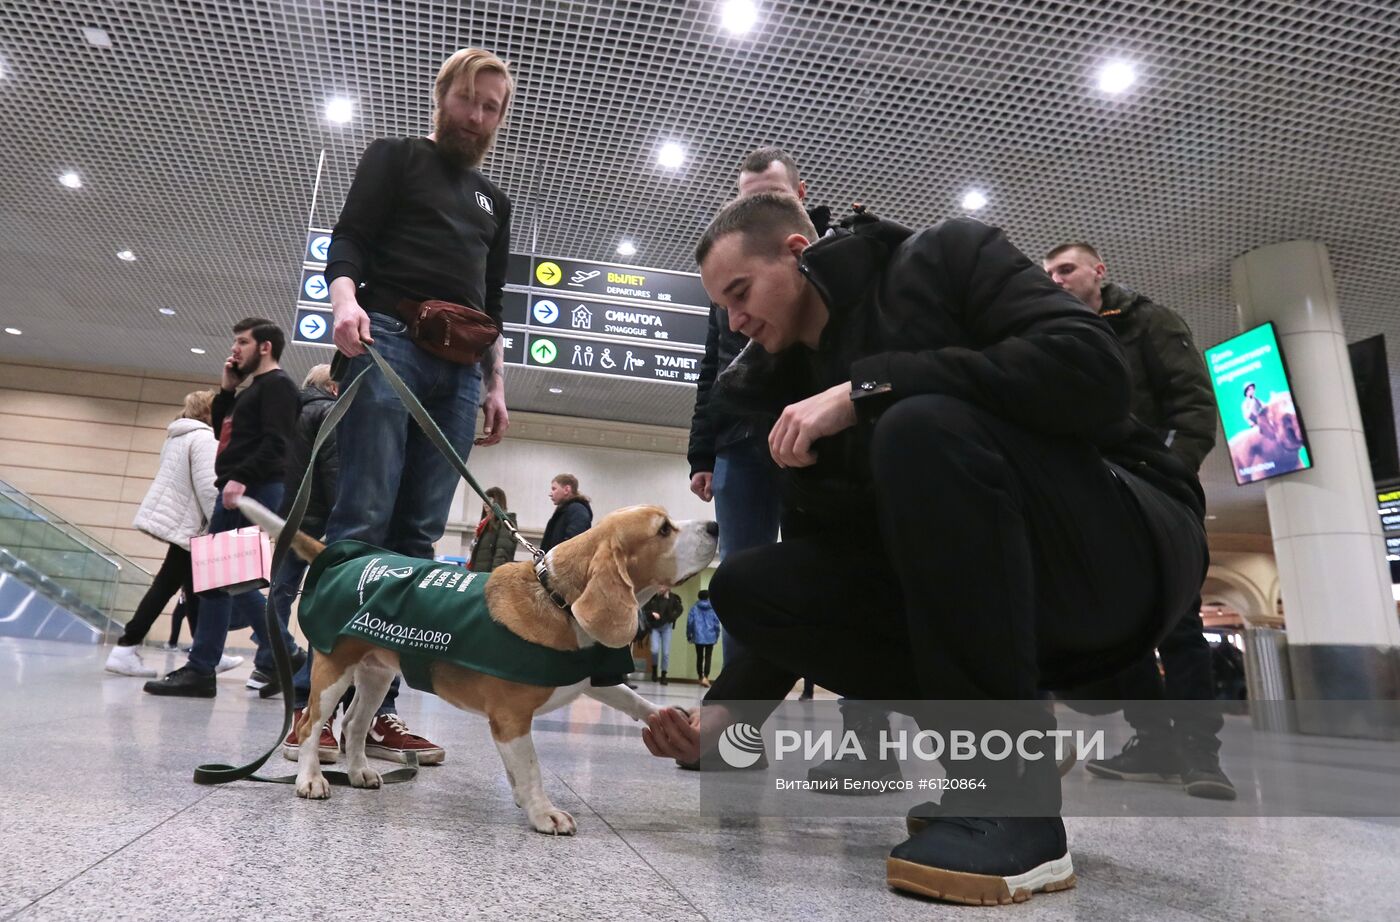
(765, 220)
(567, 480)
(1076, 245)
(761, 159)
(199, 405)
(469, 62)
(498, 495)
(318, 377)
(264, 331)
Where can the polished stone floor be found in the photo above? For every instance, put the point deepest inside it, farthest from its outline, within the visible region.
(101, 821)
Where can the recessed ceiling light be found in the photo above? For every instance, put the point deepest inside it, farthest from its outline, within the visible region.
(738, 16)
(168, 311)
(974, 200)
(196, 350)
(1211, 518)
(71, 179)
(1116, 76)
(671, 155)
(126, 256)
(14, 331)
(556, 390)
(626, 248)
(97, 37)
(340, 110)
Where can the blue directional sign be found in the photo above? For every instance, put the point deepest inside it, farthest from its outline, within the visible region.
(318, 246)
(314, 286)
(313, 326)
(546, 311)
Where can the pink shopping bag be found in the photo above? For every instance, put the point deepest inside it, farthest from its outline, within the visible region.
(235, 561)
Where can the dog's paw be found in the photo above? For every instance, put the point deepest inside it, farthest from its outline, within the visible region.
(317, 788)
(553, 822)
(364, 778)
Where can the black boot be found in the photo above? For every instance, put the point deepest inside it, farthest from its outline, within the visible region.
(1201, 775)
(1144, 758)
(185, 682)
(983, 862)
(851, 774)
(663, 677)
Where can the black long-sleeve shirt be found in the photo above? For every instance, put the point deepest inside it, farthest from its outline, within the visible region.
(416, 226)
(263, 416)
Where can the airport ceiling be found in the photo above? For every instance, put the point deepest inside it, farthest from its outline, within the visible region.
(196, 129)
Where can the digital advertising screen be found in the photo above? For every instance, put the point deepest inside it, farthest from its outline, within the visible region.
(1255, 396)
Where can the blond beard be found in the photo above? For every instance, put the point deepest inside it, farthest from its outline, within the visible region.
(462, 149)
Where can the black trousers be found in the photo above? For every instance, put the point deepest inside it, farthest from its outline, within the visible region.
(1186, 660)
(175, 573)
(1004, 559)
(702, 659)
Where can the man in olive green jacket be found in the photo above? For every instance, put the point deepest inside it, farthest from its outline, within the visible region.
(1172, 395)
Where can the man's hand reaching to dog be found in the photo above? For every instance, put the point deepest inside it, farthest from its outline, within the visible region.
(671, 733)
(804, 422)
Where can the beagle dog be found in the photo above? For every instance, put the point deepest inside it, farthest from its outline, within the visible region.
(585, 592)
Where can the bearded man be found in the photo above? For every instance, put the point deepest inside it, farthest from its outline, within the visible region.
(420, 223)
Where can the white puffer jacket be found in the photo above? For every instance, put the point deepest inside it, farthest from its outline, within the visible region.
(180, 502)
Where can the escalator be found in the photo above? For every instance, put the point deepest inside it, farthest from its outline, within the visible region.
(57, 582)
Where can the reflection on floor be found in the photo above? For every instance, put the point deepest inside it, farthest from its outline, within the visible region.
(101, 821)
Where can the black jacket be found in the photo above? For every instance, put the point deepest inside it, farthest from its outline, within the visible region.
(955, 310)
(667, 609)
(315, 404)
(711, 433)
(1171, 387)
(571, 517)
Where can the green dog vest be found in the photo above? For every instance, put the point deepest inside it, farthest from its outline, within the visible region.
(426, 611)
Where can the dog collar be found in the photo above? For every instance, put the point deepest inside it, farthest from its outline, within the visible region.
(542, 574)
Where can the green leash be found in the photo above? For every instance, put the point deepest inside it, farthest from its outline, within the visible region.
(218, 773)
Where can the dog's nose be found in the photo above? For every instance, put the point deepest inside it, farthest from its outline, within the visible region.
(712, 529)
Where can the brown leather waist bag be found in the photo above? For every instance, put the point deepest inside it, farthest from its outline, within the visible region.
(449, 331)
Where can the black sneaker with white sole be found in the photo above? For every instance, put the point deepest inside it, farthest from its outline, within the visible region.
(1142, 759)
(983, 861)
(258, 680)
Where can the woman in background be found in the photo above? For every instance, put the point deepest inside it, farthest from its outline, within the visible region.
(495, 543)
(176, 508)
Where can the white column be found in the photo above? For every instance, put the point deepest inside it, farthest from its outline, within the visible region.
(1342, 627)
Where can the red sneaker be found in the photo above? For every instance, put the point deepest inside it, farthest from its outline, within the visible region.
(326, 748)
(388, 738)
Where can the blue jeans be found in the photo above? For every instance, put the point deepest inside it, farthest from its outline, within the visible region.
(661, 646)
(747, 506)
(220, 612)
(395, 489)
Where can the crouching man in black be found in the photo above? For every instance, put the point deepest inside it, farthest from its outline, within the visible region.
(981, 517)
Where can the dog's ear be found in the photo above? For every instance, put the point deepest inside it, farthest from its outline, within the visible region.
(608, 607)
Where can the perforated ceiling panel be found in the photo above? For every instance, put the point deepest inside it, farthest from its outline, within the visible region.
(197, 132)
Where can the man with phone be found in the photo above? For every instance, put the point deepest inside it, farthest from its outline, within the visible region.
(254, 425)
